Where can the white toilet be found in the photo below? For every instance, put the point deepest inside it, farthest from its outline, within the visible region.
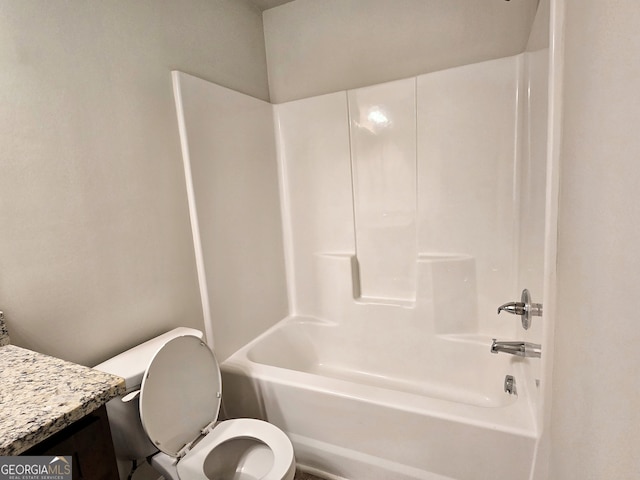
(169, 416)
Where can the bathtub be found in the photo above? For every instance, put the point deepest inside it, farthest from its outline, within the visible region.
(371, 406)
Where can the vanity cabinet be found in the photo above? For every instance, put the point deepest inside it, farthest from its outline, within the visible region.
(88, 442)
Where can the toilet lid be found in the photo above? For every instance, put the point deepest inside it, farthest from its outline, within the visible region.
(180, 393)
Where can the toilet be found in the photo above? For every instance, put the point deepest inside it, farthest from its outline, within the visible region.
(169, 415)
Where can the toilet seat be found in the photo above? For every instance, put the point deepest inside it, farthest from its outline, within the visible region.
(192, 465)
(180, 394)
(180, 399)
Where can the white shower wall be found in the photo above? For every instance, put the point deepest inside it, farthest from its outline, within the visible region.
(426, 167)
(533, 181)
(382, 126)
(230, 164)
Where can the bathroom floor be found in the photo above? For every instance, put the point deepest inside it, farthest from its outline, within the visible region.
(305, 476)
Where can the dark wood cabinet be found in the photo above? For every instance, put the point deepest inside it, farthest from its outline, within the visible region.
(88, 442)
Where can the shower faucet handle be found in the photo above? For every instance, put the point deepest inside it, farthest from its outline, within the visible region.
(524, 308)
(516, 308)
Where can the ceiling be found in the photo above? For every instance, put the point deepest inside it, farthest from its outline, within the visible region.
(322, 46)
(267, 4)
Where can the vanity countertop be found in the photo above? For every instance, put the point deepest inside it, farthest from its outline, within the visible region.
(40, 395)
(4, 333)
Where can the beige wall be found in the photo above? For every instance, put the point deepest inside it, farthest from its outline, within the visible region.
(596, 386)
(315, 47)
(96, 251)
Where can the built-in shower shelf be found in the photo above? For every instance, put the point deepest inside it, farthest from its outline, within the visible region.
(469, 338)
(391, 302)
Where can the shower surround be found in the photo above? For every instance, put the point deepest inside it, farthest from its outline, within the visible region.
(404, 173)
(402, 207)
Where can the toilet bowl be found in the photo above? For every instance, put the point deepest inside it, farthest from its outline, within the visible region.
(178, 403)
(241, 448)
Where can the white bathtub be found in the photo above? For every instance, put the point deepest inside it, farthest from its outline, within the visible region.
(376, 406)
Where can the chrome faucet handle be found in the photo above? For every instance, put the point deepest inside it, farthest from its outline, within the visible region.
(516, 308)
(524, 308)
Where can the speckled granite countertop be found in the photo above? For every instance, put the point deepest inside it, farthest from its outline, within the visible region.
(4, 333)
(40, 395)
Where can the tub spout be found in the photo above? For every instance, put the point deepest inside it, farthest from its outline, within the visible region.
(521, 349)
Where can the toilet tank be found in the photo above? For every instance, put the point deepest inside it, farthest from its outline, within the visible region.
(129, 438)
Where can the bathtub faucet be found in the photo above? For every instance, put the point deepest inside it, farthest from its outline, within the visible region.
(521, 349)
